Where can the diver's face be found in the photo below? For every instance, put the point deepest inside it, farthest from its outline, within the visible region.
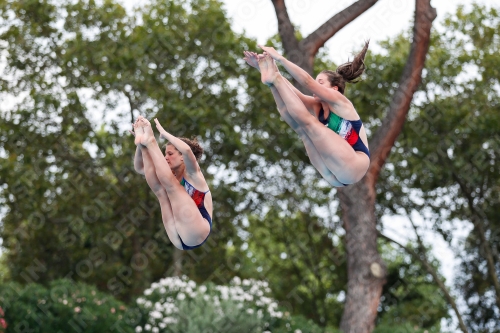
(322, 79)
(173, 157)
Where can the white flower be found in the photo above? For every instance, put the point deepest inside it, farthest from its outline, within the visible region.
(156, 330)
(147, 327)
(250, 311)
(138, 329)
(169, 320)
(158, 306)
(202, 289)
(181, 296)
(169, 308)
(148, 292)
(237, 280)
(156, 314)
(266, 300)
(141, 301)
(163, 290)
(246, 282)
(224, 293)
(206, 297)
(297, 331)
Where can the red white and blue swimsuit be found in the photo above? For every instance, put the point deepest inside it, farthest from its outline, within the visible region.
(347, 129)
(199, 199)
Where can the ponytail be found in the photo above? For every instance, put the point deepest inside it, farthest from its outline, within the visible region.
(349, 71)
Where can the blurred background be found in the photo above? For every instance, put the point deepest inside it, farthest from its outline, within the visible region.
(83, 246)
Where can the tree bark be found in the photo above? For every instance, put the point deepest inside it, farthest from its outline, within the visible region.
(366, 271)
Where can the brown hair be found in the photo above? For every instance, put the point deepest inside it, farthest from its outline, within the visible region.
(348, 72)
(193, 144)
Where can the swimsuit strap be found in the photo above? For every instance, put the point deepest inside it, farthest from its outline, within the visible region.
(184, 182)
(197, 196)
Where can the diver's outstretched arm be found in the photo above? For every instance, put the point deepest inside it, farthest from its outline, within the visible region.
(325, 93)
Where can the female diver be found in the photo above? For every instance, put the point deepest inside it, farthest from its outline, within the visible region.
(327, 123)
(177, 181)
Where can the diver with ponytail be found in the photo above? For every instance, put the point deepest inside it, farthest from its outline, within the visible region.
(327, 122)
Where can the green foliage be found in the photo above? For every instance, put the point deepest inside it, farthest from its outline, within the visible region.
(63, 306)
(4, 270)
(445, 164)
(403, 328)
(70, 180)
(299, 258)
(410, 297)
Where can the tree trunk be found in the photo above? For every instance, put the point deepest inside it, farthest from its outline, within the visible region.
(366, 271)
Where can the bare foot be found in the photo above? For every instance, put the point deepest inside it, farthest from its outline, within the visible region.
(274, 66)
(264, 71)
(268, 73)
(138, 131)
(147, 132)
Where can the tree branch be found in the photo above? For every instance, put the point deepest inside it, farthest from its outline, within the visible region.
(392, 124)
(327, 30)
(428, 267)
(479, 227)
(285, 28)
(302, 53)
(131, 104)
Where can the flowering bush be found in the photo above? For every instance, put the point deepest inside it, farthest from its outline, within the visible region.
(65, 306)
(180, 305)
(3, 323)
